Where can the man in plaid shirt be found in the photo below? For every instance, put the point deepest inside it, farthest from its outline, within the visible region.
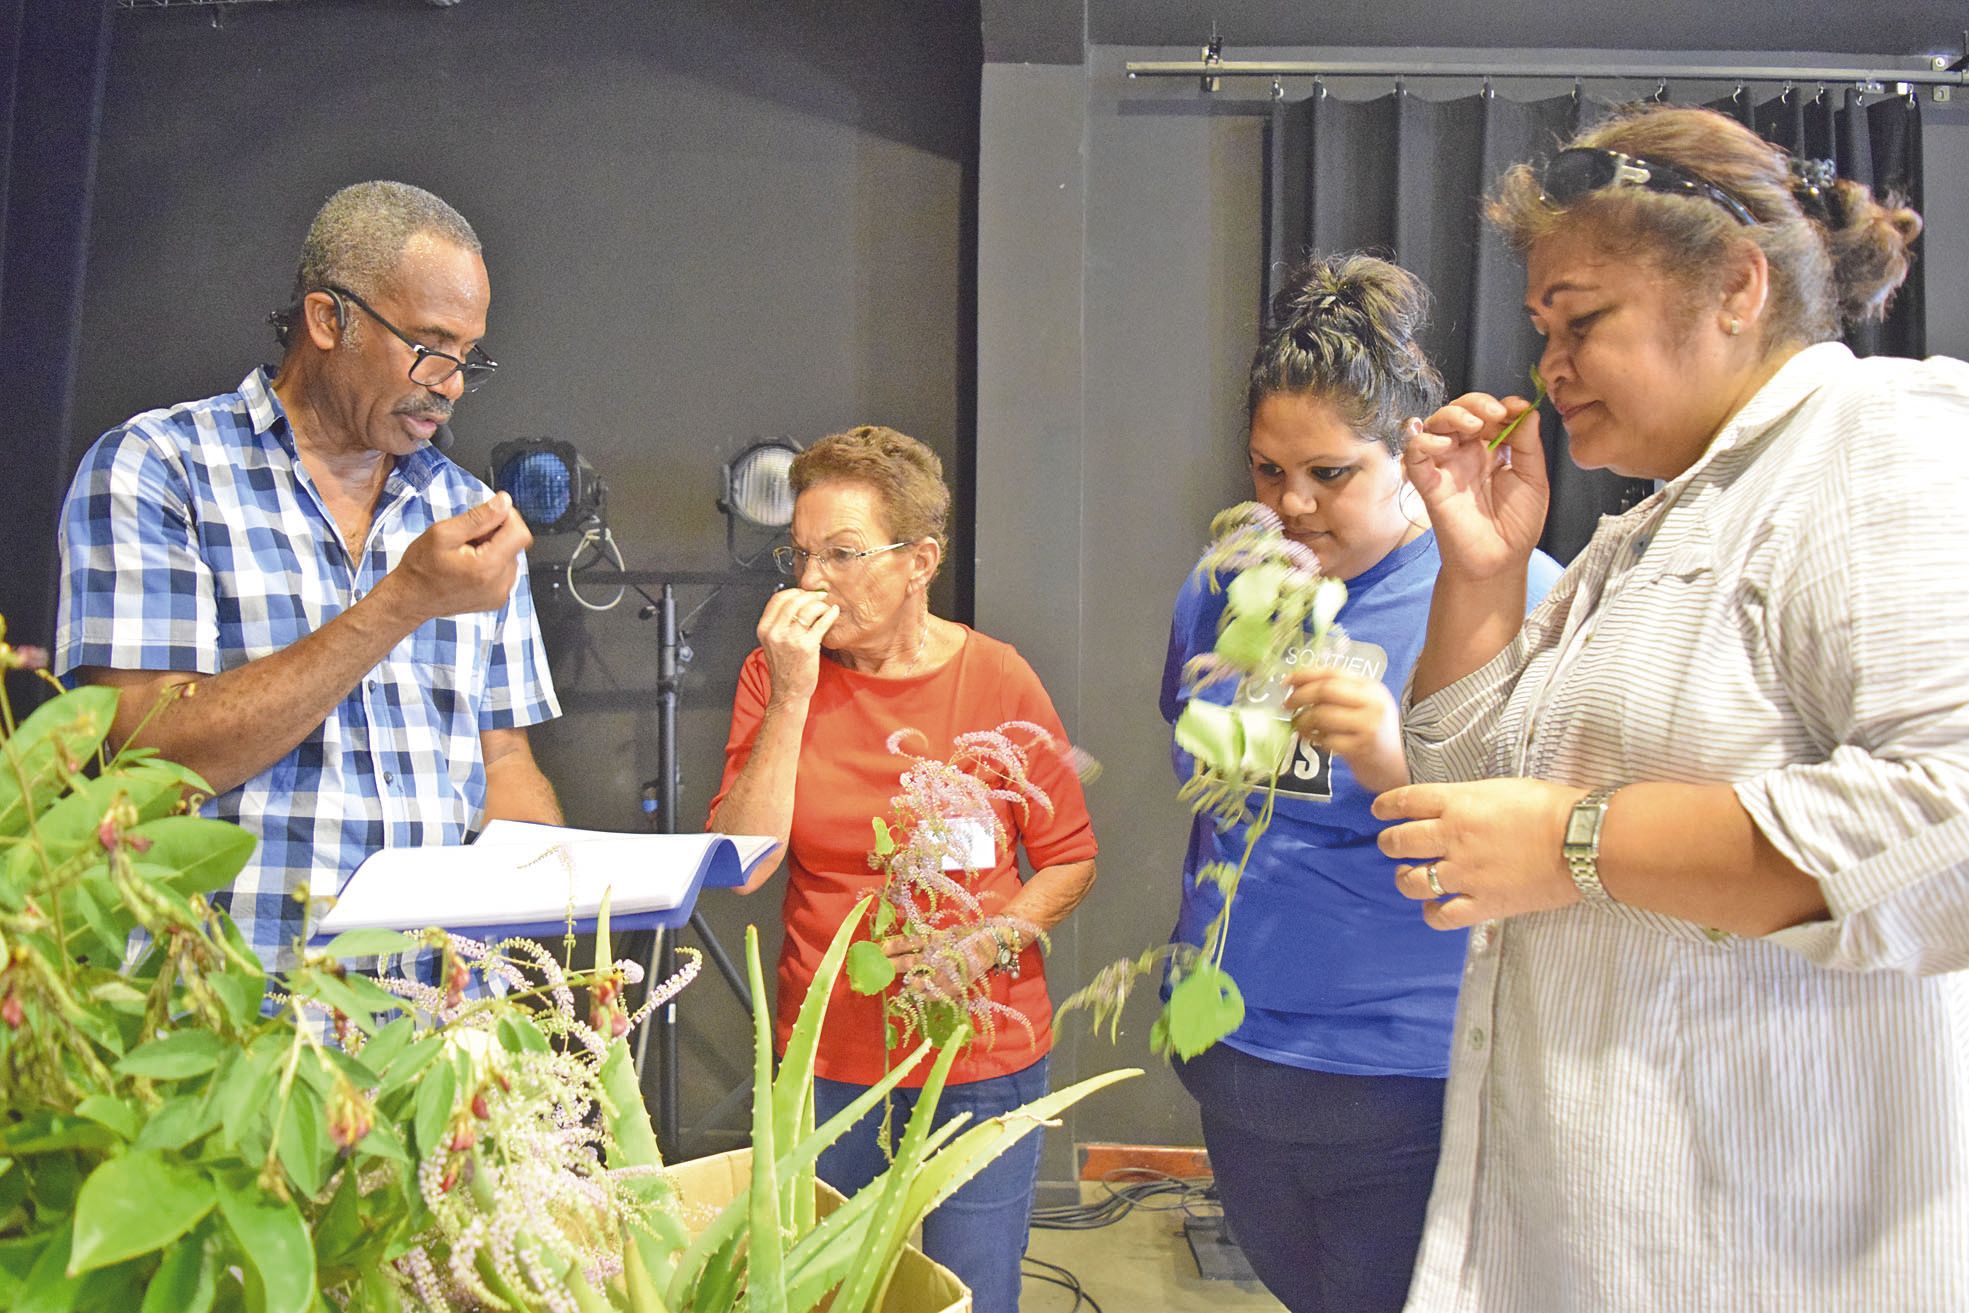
(350, 605)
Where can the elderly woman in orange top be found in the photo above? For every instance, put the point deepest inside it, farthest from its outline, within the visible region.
(847, 657)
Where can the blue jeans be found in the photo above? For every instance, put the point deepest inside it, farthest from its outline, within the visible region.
(1324, 1177)
(979, 1232)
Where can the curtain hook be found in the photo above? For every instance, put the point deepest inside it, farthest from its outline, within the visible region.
(1575, 90)
(1278, 89)
(1319, 82)
(1490, 92)
(1820, 98)
(1736, 97)
(1784, 97)
(1401, 85)
(1661, 89)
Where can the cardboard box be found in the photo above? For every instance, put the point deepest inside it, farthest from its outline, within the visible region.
(919, 1286)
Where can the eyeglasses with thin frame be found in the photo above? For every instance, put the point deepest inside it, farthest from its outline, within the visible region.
(430, 367)
(1580, 170)
(832, 560)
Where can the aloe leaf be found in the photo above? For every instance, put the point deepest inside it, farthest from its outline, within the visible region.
(765, 1275)
(793, 1092)
(700, 1256)
(870, 1276)
(973, 1151)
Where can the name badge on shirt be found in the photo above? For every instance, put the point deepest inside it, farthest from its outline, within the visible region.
(971, 847)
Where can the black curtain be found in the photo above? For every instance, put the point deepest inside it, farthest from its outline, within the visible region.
(1405, 178)
(53, 57)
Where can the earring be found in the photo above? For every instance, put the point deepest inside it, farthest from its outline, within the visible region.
(1736, 326)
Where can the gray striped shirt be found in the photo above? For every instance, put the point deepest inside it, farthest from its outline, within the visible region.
(1645, 1115)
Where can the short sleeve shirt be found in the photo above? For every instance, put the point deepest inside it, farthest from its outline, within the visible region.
(847, 776)
(193, 539)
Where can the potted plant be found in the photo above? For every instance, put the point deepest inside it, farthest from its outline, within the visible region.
(179, 1130)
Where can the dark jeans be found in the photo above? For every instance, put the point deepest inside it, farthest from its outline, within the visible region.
(980, 1231)
(1324, 1178)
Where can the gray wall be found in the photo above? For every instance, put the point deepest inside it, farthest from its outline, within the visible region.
(1119, 246)
(706, 222)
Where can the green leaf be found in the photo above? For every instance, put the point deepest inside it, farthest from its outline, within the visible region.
(244, 1089)
(765, 1277)
(273, 1241)
(1268, 738)
(179, 1054)
(1203, 1007)
(133, 1204)
(885, 918)
(1328, 598)
(186, 1280)
(388, 1044)
(326, 989)
(1246, 641)
(48, 1288)
(204, 854)
(115, 1113)
(240, 993)
(870, 970)
(519, 1035)
(434, 1106)
(407, 1065)
(1210, 733)
(885, 842)
(1255, 591)
(179, 1122)
(303, 1132)
(371, 943)
(76, 722)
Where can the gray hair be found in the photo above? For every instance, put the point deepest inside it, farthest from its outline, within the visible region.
(358, 237)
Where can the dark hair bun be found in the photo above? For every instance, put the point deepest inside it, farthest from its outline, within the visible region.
(1346, 328)
(1868, 241)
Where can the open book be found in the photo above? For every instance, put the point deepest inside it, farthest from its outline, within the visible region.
(519, 878)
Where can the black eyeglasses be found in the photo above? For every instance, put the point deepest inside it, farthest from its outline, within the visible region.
(1581, 170)
(430, 368)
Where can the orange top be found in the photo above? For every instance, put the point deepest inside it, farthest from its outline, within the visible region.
(847, 777)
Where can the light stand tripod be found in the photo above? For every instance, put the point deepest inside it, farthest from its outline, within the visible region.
(660, 805)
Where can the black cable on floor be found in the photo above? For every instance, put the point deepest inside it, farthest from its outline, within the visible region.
(1054, 1274)
(1129, 1188)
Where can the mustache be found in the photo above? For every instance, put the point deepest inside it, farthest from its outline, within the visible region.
(427, 408)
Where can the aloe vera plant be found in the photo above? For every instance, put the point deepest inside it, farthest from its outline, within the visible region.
(767, 1249)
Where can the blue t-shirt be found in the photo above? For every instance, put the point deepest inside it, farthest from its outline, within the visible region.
(1338, 970)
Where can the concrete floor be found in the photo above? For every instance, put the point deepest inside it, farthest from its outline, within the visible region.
(1139, 1263)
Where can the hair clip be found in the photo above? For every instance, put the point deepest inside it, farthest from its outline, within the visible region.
(1813, 183)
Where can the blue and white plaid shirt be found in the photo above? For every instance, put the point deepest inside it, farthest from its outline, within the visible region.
(193, 539)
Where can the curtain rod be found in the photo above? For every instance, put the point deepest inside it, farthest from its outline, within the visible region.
(1940, 73)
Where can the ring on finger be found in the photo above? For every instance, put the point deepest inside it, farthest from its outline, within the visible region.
(1435, 881)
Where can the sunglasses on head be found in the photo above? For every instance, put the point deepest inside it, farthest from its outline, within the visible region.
(1582, 170)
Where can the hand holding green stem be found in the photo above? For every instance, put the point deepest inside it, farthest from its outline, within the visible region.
(1538, 396)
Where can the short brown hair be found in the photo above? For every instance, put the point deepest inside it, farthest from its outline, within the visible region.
(906, 476)
(1839, 265)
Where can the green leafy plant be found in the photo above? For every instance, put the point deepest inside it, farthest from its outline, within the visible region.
(180, 1131)
(1278, 614)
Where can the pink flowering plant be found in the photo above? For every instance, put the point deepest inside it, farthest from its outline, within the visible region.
(944, 828)
(181, 1131)
(1278, 614)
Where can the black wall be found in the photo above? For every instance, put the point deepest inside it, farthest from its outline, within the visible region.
(706, 222)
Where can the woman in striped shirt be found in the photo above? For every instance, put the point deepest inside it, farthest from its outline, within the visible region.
(1705, 806)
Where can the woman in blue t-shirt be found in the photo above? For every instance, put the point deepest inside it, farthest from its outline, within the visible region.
(1323, 1110)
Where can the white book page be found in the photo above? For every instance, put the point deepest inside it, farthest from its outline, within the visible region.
(521, 874)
